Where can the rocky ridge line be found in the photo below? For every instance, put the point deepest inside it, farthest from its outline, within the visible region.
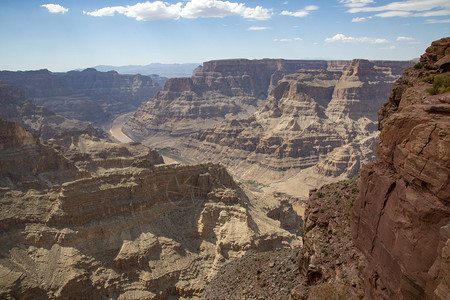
(401, 220)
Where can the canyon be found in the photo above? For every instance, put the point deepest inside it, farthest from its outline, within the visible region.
(89, 220)
(252, 204)
(318, 118)
(86, 95)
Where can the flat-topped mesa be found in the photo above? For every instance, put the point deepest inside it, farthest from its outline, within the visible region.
(88, 95)
(401, 218)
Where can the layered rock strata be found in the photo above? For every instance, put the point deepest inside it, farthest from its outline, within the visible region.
(16, 106)
(219, 90)
(139, 231)
(88, 95)
(313, 118)
(401, 219)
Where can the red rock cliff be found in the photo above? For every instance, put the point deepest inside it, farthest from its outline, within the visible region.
(401, 220)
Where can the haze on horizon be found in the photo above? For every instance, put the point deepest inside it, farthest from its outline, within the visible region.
(62, 35)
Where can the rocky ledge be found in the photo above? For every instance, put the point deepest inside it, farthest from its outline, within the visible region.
(95, 224)
(401, 220)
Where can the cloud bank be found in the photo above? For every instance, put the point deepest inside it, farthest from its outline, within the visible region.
(55, 8)
(348, 39)
(300, 13)
(193, 9)
(407, 8)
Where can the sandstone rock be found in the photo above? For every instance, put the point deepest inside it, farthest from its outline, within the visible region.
(308, 115)
(87, 221)
(28, 164)
(400, 220)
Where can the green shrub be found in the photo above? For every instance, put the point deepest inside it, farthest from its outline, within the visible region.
(441, 84)
(419, 65)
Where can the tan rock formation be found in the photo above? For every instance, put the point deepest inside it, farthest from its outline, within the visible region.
(219, 90)
(25, 163)
(401, 219)
(309, 116)
(139, 231)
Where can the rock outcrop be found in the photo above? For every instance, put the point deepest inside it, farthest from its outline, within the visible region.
(16, 106)
(328, 261)
(219, 90)
(313, 118)
(25, 163)
(90, 226)
(88, 95)
(401, 220)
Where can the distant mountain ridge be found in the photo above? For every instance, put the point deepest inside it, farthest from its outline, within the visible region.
(164, 70)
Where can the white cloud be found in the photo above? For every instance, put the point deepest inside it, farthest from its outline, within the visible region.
(193, 9)
(407, 8)
(258, 28)
(388, 48)
(356, 3)
(405, 38)
(358, 19)
(55, 8)
(300, 13)
(348, 39)
(434, 21)
(288, 40)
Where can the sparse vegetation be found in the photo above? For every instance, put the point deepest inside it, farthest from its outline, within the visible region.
(441, 84)
(419, 65)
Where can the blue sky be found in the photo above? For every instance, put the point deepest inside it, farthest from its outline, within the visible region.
(61, 35)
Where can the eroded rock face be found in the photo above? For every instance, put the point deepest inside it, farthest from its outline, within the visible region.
(25, 163)
(313, 118)
(219, 90)
(401, 218)
(16, 106)
(104, 225)
(88, 95)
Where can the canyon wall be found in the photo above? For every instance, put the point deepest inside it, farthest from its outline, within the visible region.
(401, 219)
(219, 90)
(87, 220)
(88, 95)
(16, 106)
(324, 119)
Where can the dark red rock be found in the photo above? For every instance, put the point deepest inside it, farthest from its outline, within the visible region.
(401, 218)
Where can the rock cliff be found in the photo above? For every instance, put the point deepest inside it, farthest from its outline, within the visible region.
(97, 227)
(88, 95)
(313, 118)
(401, 220)
(16, 106)
(219, 90)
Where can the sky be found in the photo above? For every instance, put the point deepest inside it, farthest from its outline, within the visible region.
(62, 35)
